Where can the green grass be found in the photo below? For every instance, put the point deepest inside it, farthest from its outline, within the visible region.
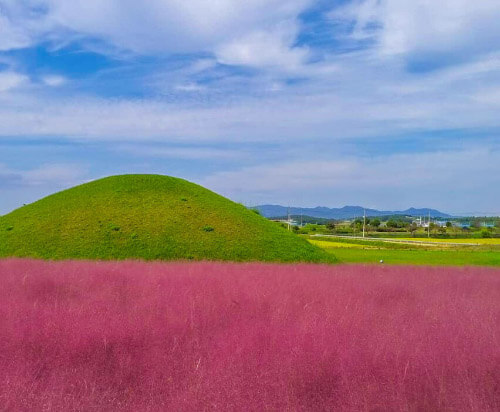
(370, 251)
(417, 257)
(147, 217)
(481, 241)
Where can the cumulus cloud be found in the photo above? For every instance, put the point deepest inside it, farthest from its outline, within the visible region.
(255, 33)
(270, 49)
(166, 26)
(457, 29)
(361, 99)
(231, 29)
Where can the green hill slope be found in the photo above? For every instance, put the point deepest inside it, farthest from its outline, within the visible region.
(147, 217)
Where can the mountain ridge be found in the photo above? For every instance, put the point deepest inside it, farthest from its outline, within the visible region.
(345, 212)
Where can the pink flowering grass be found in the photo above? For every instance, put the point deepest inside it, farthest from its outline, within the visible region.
(207, 336)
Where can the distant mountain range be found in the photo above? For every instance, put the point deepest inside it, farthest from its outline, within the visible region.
(346, 212)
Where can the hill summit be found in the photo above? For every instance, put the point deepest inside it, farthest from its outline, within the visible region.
(147, 217)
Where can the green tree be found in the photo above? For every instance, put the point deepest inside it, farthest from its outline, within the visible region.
(476, 223)
(392, 223)
(413, 228)
(485, 233)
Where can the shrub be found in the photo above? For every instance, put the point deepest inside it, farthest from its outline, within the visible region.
(208, 228)
(485, 233)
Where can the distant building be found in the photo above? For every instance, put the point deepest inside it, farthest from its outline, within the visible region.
(290, 222)
(424, 223)
(488, 224)
(421, 222)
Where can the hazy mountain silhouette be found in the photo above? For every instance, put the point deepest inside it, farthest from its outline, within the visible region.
(346, 212)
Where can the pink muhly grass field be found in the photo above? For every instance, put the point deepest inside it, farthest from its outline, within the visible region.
(209, 336)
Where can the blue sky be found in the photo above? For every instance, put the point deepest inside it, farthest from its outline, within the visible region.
(383, 103)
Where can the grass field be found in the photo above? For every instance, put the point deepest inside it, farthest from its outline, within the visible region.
(92, 336)
(372, 251)
(417, 257)
(148, 217)
(481, 241)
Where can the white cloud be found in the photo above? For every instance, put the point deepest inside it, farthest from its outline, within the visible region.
(271, 49)
(162, 27)
(190, 87)
(59, 175)
(426, 27)
(258, 33)
(189, 153)
(488, 96)
(54, 80)
(361, 99)
(11, 80)
(391, 181)
(12, 37)
(175, 25)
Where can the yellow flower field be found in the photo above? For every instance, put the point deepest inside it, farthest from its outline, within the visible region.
(325, 245)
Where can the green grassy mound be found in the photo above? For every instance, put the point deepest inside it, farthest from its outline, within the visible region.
(147, 217)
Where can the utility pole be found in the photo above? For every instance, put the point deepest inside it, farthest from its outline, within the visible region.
(364, 221)
(288, 213)
(429, 226)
